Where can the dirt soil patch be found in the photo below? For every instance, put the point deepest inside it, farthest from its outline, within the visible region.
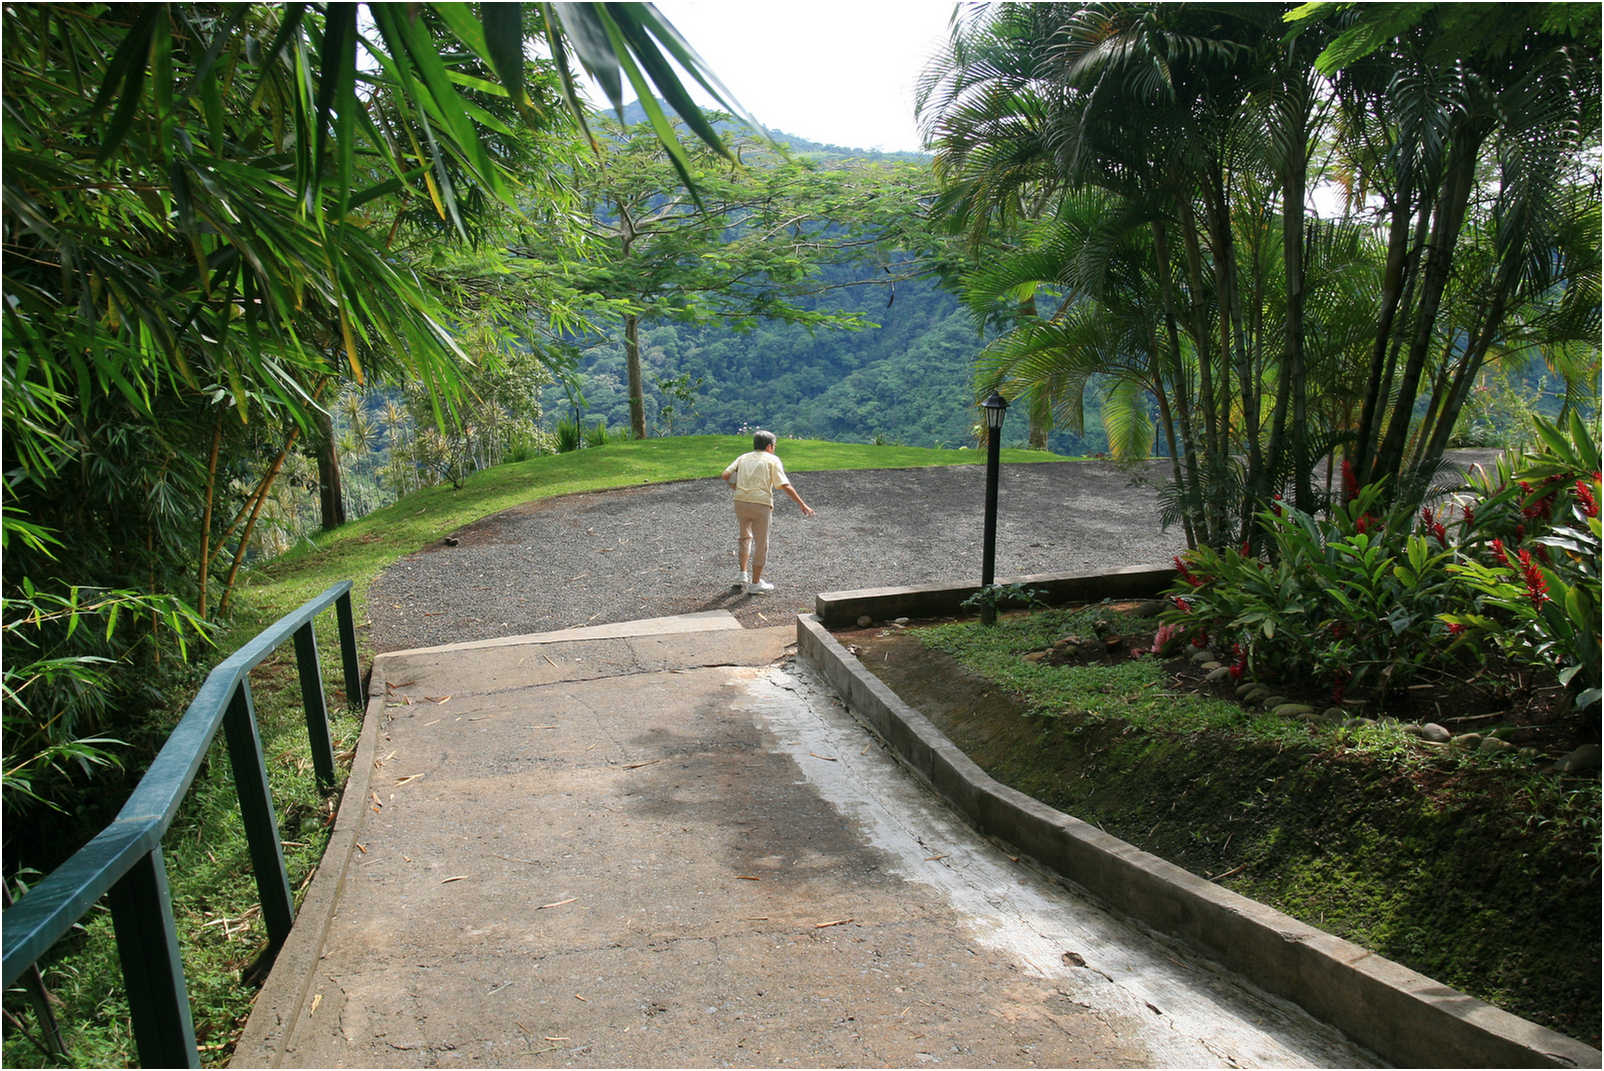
(1480, 876)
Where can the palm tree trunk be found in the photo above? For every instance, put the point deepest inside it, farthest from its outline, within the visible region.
(637, 392)
(1449, 216)
(1192, 487)
(1393, 286)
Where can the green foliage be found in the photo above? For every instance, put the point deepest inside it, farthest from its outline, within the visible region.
(1537, 599)
(1369, 601)
(57, 688)
(1133, 183)
(569, 436)
(597, 434)
(1351, 602)
(1001, 596)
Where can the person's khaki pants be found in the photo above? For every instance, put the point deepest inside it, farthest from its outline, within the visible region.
(752, 542)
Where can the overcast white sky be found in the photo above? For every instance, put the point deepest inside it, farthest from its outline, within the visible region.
(833, 71)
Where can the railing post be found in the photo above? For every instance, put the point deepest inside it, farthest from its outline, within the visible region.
(317, 713)
(256, 811)
(147, 942)
(348, 655)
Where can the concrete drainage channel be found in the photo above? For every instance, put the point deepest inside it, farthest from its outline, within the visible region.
(1397, 1013)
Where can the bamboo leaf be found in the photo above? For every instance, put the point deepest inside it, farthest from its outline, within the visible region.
(125, 78)
(504, 40)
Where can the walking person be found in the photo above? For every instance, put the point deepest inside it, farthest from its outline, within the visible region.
(755, 475)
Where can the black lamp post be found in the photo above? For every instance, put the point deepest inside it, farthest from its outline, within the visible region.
(994, 408)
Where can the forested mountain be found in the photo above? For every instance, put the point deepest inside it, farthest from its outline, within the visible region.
(908, 379)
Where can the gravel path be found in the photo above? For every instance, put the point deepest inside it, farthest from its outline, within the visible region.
(669, 548)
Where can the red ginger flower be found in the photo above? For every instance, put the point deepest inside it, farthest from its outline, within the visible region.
(1434, 526)
(1350, 481)
(1499, 555)
(1536, 586)
(1585, 494)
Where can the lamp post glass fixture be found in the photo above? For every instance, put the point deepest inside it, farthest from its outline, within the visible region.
(994, 408)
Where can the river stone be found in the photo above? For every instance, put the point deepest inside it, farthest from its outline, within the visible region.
(1202, 654)
(1271, 701)
(1430, 732)
(1209, 667)
(1493, 746)
(1467, 741)
(1247, 688)
(1218, 673)
(864, 621)
(1291, 710)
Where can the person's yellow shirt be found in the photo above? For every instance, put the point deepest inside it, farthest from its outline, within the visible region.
(757, 474)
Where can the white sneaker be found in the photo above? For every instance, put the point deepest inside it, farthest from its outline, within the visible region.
(742, 580)
(761, 587)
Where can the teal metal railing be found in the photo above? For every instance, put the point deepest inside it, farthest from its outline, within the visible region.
(124, 861)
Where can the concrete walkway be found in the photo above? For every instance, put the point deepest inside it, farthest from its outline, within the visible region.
(667, 844)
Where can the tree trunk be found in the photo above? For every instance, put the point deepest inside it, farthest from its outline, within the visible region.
(1392, 290)
(637, 392)
(331, 497)
(1450, 215)
(206, 518)
(255, 509)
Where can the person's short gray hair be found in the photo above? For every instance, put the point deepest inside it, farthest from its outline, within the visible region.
(762, 440)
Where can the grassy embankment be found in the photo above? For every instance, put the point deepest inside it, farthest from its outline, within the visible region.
(214, 898)
(1479, 871)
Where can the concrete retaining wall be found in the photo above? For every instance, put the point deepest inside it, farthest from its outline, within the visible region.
(1398, 1013)
(836, 608)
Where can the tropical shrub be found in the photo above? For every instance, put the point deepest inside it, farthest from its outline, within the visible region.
(1346, 602)
(1372, 600)
(1533, 589)
(570, 436)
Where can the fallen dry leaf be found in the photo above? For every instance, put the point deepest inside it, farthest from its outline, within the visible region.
(459, 877)
(412, 777)
(316, 1000)
(748, 877)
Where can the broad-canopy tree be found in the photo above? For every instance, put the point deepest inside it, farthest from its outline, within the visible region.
(745, 242)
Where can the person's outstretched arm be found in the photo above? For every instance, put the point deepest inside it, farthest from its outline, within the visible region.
(807, 511)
